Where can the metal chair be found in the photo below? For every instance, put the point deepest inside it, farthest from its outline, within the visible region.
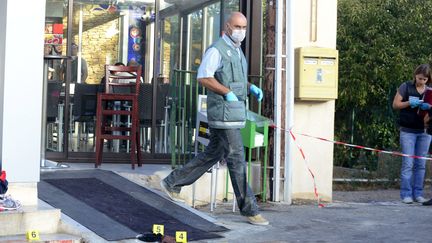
(162, 116)
(145, 115)
(84, 111)
(120, 98)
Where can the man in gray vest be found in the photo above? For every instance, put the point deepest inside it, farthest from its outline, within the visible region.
(223, 71)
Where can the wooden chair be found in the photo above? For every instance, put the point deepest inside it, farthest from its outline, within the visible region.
(120, 98)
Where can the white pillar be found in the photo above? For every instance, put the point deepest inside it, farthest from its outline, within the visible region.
(21, 80)
(289, 99)
(278, 102)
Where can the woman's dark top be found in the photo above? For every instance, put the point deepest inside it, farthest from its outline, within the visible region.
(409, 120)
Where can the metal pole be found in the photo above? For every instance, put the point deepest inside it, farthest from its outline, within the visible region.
(289, 112)
(156, 69)
(44, 104)
(278, 100)
(80, 29)
(64, 142)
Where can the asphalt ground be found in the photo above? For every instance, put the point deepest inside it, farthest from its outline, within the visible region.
(353, 216)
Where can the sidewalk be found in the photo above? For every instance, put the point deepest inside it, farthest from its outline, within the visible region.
(364, 220)
(353, 216)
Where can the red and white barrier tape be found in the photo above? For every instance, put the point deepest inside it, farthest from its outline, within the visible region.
(357, 146)
(344, 144)
(307, 166)
(320, 205)
(367, 148)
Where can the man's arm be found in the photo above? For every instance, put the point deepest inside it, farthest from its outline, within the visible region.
(213, 85)
(212, 60)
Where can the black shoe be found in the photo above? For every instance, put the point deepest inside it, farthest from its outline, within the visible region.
(428, 203)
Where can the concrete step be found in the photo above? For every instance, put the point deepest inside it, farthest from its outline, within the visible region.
(46, 238)
(44, 220)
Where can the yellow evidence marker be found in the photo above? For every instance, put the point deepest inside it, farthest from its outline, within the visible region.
(32, 235)
(158, 229)
(181, 236)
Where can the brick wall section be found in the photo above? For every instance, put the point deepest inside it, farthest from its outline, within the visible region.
(166, 50)
(98, 46)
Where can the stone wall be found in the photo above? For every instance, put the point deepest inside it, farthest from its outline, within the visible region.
(100, 43)
(100, 39)
(166, 45)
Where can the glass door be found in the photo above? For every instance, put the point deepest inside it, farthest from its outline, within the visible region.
(98, 39)
(81, 36)
(55, 92)
(199, 29)
(194, 42)
(105, 32)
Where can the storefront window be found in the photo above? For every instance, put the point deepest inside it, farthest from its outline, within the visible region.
(212, 23)
(107, 34)
(196, 34)
(103, 32)
(100, 32)
(170, 45)
(54, 51)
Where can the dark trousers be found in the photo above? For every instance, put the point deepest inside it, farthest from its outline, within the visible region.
(224, 144)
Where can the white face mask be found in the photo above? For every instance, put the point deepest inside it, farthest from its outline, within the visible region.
(238, 35)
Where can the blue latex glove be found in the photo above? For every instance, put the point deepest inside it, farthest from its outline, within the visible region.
(257, 92)
(425, 106)
(230, 96)
(414, 103)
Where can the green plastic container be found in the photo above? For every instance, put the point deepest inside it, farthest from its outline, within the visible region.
(255, 135)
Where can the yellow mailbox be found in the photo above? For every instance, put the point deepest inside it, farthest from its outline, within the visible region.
(316, 73)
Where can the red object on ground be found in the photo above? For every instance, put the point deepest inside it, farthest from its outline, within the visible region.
(3, 176)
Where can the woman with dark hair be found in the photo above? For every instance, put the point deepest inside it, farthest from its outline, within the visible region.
(413, 138)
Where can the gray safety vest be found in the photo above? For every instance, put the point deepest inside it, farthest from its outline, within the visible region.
(223, 114)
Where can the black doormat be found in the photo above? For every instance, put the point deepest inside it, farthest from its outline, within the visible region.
(115, 208)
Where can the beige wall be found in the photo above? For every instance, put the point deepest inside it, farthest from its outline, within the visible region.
(314, 118)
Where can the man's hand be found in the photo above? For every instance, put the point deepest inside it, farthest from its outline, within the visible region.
(230, 96)
(257, 92)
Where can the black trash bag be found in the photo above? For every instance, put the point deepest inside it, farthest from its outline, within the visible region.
(149, 237)
(3, 183)
(152, 237)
